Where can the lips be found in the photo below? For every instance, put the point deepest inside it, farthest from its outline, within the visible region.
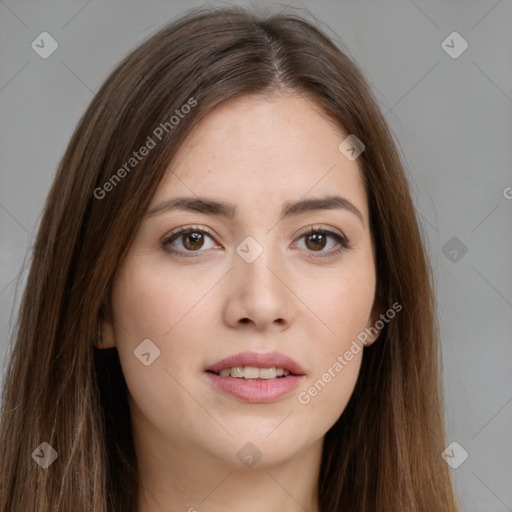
(257, 390)
(268, 360)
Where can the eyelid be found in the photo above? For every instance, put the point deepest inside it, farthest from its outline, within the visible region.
(186, 229)
(319, 227)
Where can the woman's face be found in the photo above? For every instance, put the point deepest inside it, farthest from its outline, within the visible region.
(245, 282)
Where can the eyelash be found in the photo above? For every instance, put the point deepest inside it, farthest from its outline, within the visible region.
(343, 243)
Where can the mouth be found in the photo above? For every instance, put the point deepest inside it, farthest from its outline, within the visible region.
(256, 378)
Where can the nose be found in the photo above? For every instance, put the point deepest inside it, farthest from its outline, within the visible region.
(259, 294)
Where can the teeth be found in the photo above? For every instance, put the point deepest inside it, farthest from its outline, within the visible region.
(237, 371)
(267, 373)
(252, 372)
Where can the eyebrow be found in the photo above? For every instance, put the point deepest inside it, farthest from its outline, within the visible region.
(291, 208)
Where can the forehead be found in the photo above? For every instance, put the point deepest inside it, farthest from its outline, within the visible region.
(264, 149)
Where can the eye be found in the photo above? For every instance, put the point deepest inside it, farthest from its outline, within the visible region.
(316, 240)
(191, 239)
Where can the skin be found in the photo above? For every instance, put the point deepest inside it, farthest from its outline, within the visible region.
(256, 153)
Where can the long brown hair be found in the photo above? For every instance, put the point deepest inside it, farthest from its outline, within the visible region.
(384, 452)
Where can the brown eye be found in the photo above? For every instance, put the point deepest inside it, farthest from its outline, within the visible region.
(186, 240)
(192, 241)
(318, 241)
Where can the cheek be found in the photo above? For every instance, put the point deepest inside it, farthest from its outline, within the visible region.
(344, 306)
(338, 358)
(149, 304)
(343, 302)
(322, 401)
(150, 301)
(153, 301)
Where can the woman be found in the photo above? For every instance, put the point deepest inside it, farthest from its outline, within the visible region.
(229, 302)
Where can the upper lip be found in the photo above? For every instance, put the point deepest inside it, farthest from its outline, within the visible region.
(267, 360)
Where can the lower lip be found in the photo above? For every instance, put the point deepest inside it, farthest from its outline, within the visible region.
(256, 391)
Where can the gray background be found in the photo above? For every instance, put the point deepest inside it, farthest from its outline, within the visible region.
(451, 118)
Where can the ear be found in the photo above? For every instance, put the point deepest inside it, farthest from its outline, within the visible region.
(106, 328)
